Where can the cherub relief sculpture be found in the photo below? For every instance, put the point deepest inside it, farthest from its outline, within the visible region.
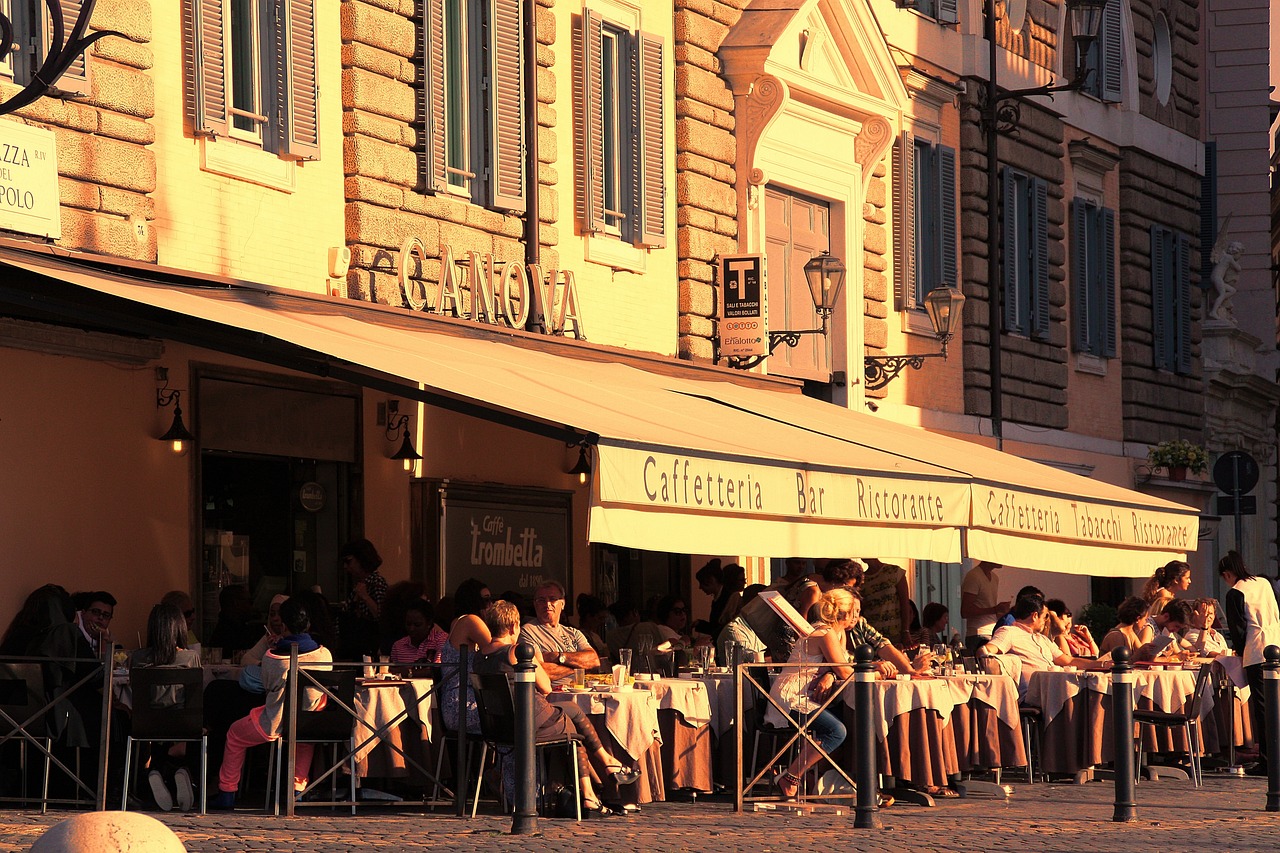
(1226, 270)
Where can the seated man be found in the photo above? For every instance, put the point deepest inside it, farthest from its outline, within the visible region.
(1025, 638)
(892, 660)
(564, 648)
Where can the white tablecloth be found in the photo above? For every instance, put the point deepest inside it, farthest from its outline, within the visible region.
(686, 695)
(896, 698)
(631, 716)
(1166, 689)
(383, 704)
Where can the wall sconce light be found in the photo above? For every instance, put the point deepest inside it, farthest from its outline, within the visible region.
(398, 427)
(943, 305)
(582, 468)
(178, 434)
(824, 274)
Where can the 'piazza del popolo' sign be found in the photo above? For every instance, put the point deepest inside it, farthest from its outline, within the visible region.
(485, 289)
(29, 200)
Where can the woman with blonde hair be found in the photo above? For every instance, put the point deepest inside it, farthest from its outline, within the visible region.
(802, 689)
(1164, 585)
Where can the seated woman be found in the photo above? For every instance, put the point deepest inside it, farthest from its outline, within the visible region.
(423, 638)
(803, 689)
(166, 636)
(499, 655)
(1204, 639)
(1074, 640)
(468, 632)
(672, 618)
(932, 628)
(264, 724)
(1134, 631)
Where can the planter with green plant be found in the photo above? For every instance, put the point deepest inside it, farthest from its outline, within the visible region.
(1178, 457)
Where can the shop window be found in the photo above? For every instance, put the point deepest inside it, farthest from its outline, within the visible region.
(943, 11)
(1171, 299)
(471, 101)
(619, 104)
(1026, 255)
(1093, 292)
(250, 70)
(1105, 59)
(925, 236)
(34, 33)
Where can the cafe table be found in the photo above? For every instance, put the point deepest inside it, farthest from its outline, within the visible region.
(396, 720)
(684, 719)
(931, 729)
(627, 721)
(1076, 714)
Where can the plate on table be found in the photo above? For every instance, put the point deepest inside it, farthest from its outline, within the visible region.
(577, 690)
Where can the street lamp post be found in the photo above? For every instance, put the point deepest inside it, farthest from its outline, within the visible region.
(1086, 17)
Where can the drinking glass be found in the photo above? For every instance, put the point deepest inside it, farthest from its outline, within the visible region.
(644, 653)
(624, 658)
(579, 677)
(704, 657)
(730, 653)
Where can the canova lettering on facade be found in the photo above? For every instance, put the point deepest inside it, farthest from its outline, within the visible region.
(485, 289)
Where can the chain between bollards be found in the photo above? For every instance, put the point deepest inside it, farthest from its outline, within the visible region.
(525, 819)
(1122, 681)
(866, 814)
(1271, 693)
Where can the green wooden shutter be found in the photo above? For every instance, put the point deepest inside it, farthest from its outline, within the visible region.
(204, 66)
(1108, 268)
(947, 226)
(589, 199)
(1040, 266)
(1160, 296)
(1080, 303)
(430, 99)
(904, 212)
(506, 113)
(651, 199)
(1181, 285)
(299, 87)
(1112, 50)
(1010, 250)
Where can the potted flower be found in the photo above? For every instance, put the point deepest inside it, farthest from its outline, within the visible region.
(1178, 457)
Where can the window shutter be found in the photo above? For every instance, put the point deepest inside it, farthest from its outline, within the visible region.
(430, 97)
(1112, 47)
(651, 207)
(1010, 250)
(1080, 307)
(506, 112)
(948, 11)
(590, 196)
(1040, 268)
(1181, 287)
(299, 95)
(1160, 330)
(947, 215)
(904, 232)
(1208, 211)
(205, 67)
(1108, 283)
(76, 77)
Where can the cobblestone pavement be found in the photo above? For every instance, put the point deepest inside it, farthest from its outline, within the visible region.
(1226, 815)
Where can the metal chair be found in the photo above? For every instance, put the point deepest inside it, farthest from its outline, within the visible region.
(498, 732)
(333, 722)
(168, 707)
(1031, 717)
(1188, 719)
(22, 709)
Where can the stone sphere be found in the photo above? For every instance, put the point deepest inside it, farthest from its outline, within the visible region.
(109, 832)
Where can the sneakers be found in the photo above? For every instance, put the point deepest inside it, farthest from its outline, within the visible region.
(159, 790)
(225, 800)
(186, 793)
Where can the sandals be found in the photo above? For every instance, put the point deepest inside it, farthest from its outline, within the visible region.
(788, 785)
(596, 809)
(625, 775)
(941, 793)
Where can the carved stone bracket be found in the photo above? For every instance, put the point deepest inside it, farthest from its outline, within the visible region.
(872, 143)
(761, 105)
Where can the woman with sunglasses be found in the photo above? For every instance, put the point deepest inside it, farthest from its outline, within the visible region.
(1074, 640)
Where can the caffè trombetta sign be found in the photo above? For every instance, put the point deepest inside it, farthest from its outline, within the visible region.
(695, 502)
(483, 288)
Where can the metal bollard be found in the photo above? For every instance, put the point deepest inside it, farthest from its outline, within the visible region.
(1271, 695)
(525, 820)
(1122, 680)
(866, 815)
(464, 766)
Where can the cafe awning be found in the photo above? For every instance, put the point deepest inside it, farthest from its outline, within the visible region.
(683, 464)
